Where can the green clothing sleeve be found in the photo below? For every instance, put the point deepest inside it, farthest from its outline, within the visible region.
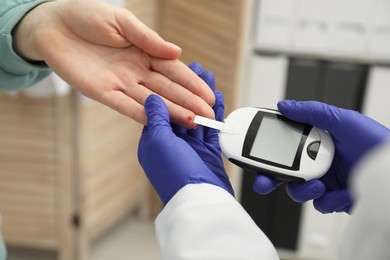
(3, 251)
(15, 72)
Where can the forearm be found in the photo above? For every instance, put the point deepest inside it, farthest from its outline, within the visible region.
(16, 72)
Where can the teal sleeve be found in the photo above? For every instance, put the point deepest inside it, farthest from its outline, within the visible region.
(15, 72)
(3, 251)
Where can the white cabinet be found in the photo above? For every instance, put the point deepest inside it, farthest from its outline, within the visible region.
(335, 31)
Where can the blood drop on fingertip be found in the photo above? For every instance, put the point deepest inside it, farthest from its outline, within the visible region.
(189, 118)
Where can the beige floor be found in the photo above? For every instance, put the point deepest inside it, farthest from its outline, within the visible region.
(132, 239)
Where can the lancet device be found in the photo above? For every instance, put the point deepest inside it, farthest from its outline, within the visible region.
(263, 140)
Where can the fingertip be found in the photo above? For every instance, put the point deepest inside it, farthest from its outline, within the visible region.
(139, 34)
(172, 52)
(155, 109)
(219, 107)
(219, 97)
(334, 201)
(196, 67)
(167, 50)
(209, 97)
(208, 112)
(305, 191)
(264, 185)
(284, 106)
(202, 108)
(317, 205)
(286, 103)
(176, 49)
(152, 100)
(152, 43)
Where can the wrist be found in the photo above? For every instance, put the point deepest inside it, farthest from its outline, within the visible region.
(25, 33)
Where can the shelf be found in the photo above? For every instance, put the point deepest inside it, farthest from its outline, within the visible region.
(370, 59)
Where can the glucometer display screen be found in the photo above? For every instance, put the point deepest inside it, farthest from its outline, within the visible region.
(277, 140)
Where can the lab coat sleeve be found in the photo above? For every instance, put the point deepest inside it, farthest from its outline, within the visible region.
(15, 72)
(367, 234)
(205, 222)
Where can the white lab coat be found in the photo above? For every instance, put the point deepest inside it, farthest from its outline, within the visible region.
(205, 222)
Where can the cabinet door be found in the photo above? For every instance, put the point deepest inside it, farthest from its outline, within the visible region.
(344, 85)
(276, 214)
(303, 80)
(376, 100)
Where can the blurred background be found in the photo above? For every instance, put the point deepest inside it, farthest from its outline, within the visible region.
(70, 183)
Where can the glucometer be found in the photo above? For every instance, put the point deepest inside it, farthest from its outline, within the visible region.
(263, 140)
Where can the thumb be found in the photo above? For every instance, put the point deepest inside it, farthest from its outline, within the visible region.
(157, 130)
(314, 113)
(157, 112)
(146, 39)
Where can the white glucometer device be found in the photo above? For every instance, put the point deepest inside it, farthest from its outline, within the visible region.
(263, 140)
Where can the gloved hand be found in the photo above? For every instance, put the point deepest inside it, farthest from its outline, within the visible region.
(173, 158)
(353, 133)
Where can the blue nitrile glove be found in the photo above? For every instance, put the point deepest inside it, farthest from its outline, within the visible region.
(353, 133)
(172, 161)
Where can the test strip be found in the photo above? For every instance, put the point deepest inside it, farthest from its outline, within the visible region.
(204, 121)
